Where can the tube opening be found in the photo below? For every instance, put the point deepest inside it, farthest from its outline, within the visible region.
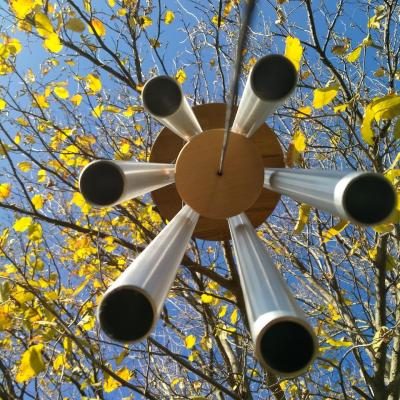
(162, 96)
(126, 314)
(273, 77)
(369, 199)
(101, 183)
(287, 347)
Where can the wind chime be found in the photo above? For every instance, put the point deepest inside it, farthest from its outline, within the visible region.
(225, 198)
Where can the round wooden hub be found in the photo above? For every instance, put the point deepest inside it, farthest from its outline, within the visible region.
(166, 149)
(219, 196)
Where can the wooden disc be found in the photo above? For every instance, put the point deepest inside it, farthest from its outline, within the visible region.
(166, 149)
(210, 194)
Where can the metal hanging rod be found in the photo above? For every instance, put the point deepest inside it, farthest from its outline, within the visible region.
(235, 81)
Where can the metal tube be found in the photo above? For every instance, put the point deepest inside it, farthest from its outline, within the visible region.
(364, 198)
(105, 183)
(271, 81)
(131, 306)
(163, 98)
(284, 341)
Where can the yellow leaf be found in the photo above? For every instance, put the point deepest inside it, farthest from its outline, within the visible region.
(59, 361)
(341, 107)
(53, 44)
(41, 101)
(5, 190)
(206, 298)
(22, 8)
(37, 201)
(190, 341)
(125, 148)
(145, 21)
(41, 175)
(88, 322)
(25, 166)
(13, 45)
(299, 141)
(93, 84)
(88, 6)
(5, 317)
(339, 343)
(43, 25)
(387, 107)
(2, 104)
(61, 92)
(31, 363)
(169, 17)
(354, 55)
(304, 213)
(324, 96)
(180, 76)
(234, 316)
(366, 127)
(122, 11)
(303, 112)
(293, 51)
(332, 232)
(80, 202)
(111, 3)
(98, 27)
(22, 224)
(76, 99)
(222, 311)
(75, 25)
(98, 110)
(35, 232)
(111, 384)
(335, 316)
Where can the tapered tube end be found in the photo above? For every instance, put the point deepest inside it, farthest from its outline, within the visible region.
(273, 77)
(101, 183)
(369, 199)
(162, 96)
(126, 314)
(287, 348)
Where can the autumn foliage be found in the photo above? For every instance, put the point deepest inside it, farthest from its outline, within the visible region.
(71, 77)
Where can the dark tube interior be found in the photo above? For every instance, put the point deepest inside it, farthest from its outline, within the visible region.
(287, 347)
(126, 315)
(273, 77)
(369, 199)
(162, 96)
(101, 183)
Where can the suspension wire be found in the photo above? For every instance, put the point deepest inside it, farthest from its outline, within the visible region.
(235, 80)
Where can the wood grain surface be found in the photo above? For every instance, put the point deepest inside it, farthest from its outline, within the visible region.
(167, 147)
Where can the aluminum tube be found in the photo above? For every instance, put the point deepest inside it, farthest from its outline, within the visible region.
(131, 306)
(105, 183)
(163, 98)
(271, 81)
(364, 198)
(284, 341)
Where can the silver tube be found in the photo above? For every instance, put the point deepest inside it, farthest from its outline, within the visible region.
(131, 306)
(271, 81)
(284, 341)
(105, 183)
(163, 98)
(364, 198)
